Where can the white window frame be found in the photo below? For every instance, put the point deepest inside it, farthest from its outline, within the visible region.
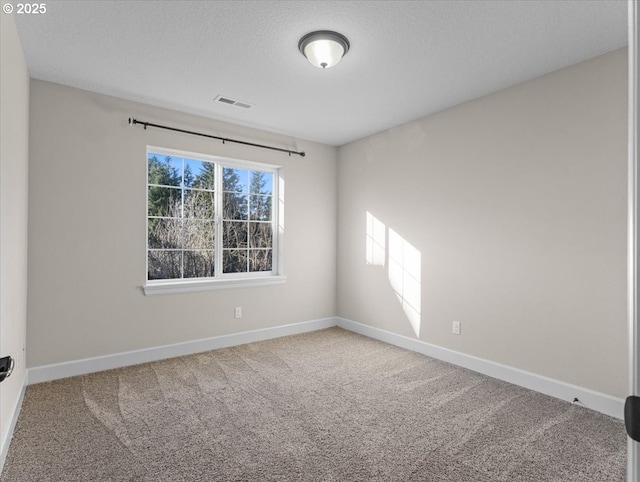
(222, 280)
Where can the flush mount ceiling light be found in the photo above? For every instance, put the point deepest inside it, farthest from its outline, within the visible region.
(324, 48)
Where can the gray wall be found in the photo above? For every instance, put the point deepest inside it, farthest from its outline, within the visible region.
(14, 160)
(87, 231)
(515, 204)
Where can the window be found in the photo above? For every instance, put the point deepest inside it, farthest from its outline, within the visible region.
(211, 222)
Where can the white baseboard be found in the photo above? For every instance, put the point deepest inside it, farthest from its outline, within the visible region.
(7, 436)
(73, 368)
(600, 402)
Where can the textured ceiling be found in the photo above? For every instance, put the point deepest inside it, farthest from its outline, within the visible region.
(408, 59)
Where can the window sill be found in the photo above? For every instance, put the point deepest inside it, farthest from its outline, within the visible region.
(173, 287)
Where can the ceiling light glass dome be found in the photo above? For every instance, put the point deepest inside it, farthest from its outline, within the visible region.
(324, 48)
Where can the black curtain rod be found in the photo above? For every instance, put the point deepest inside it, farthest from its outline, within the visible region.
(133, 122)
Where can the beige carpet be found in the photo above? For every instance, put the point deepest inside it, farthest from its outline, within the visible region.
(324, 406)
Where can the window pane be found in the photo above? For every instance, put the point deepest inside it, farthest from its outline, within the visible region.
(236, 206)
(235, 261)
(234, 234)
(198, 264)
(165, 233)
(260, 235)
(260, 208)
(165, 201)
(260, 260)
(200, 174)
(235, 180)
(199, 204)
(261, 182)
(164, 170)
(198, 234)
(164, 264)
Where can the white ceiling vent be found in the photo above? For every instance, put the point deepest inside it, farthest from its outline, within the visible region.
(235, 102)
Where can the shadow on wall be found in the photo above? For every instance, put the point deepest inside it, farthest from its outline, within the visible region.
(402, 262)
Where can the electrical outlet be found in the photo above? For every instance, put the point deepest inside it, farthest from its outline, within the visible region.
(455, 328)
(237, 313)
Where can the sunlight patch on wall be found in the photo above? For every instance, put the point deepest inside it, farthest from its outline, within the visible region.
(376, 241)
(405, 277)
(404, 264)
